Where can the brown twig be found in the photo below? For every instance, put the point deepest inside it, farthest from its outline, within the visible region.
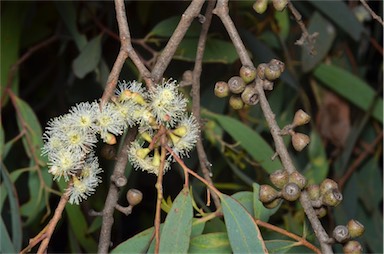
(117, 179)
(12, 71)
(126, 50)
(44, 236)
(204, 163)
(159, 187)
(164, 59)
(222, 11)
(300, 240)
(373, 14)
(306, 38)
(359, 160)
(286, 160)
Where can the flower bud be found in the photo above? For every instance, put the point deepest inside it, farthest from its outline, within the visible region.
(110, 139)
(300, 141)
(298, 179)
(327, 184)
(267, 193)
(247, 73)
(236, 84)
(180, 131)
(279, 178)
(134, 197)
(260, 6)
(156, 158)
(272, 204)
(313, 192)
(142, 152)
(341, 234)
(332, 197)
(261, 70)
(236, 102)
(301, 118)
(321, 212)
(250, 95)
(146, 136)
(279, 5)
(291, 192)
(221, 89)
(355, 228)
(272, 72)
(352, 247)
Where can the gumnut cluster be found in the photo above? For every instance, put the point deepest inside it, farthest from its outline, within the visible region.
(327, 194)
(242, 88)
(70, 139)
(299, 140)
(289, 185)
(260, 6)
(344, 233)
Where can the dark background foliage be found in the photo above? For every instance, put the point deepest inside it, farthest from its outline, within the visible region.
(343, 98)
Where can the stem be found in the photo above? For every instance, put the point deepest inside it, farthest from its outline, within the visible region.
(286, 160)
(204, 163)
(113, 193)
(159, 187)
(222, 11)
(186, 19)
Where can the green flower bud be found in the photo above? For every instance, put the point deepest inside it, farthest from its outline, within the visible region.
(327, 184)
(298, 179)
(272, 72)
(272, 204)
(247, 73)
(279, 5)
(313, 192)
(250, 95)
(236, 102)
(221, 89)
(279, 178)
(355, 228)
(332, 197)
(321, 212)
(352, 247)
(260, 6)
(267, 193)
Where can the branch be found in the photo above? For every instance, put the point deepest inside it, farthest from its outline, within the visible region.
(286, 160)
(373, 14)
(117, 180)
(126, 50)
(164, 59)
(204, 163)
(222, 11)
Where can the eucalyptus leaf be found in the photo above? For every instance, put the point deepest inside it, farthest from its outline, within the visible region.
(243, 232)
(210, 243)
(88, 59)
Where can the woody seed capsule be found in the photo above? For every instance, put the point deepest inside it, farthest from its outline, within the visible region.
(236, 84)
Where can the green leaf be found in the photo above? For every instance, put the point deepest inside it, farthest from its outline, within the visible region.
(136, 244)
(245, 198)
(243, 232)
(216, 51)
(285, 246)
(36, 202)
(167, 27)
(78, 224)
(261, 212)
(197, 228)
(341, 15)
(324, 40)
(68, 14)
(176, 233)
(210, 243)
(250, 140)
(14, 212)
(88, 59)
(351, 87)
(318, 163)
(27, 121)
(12, 17)
(6, 245)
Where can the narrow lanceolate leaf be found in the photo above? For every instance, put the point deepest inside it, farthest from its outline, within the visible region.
(88, 59)
(352, 88)
(243, 233)
(176, 233)
(250, 140)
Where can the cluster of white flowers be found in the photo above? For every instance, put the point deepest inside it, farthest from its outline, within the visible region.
(69, 139)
